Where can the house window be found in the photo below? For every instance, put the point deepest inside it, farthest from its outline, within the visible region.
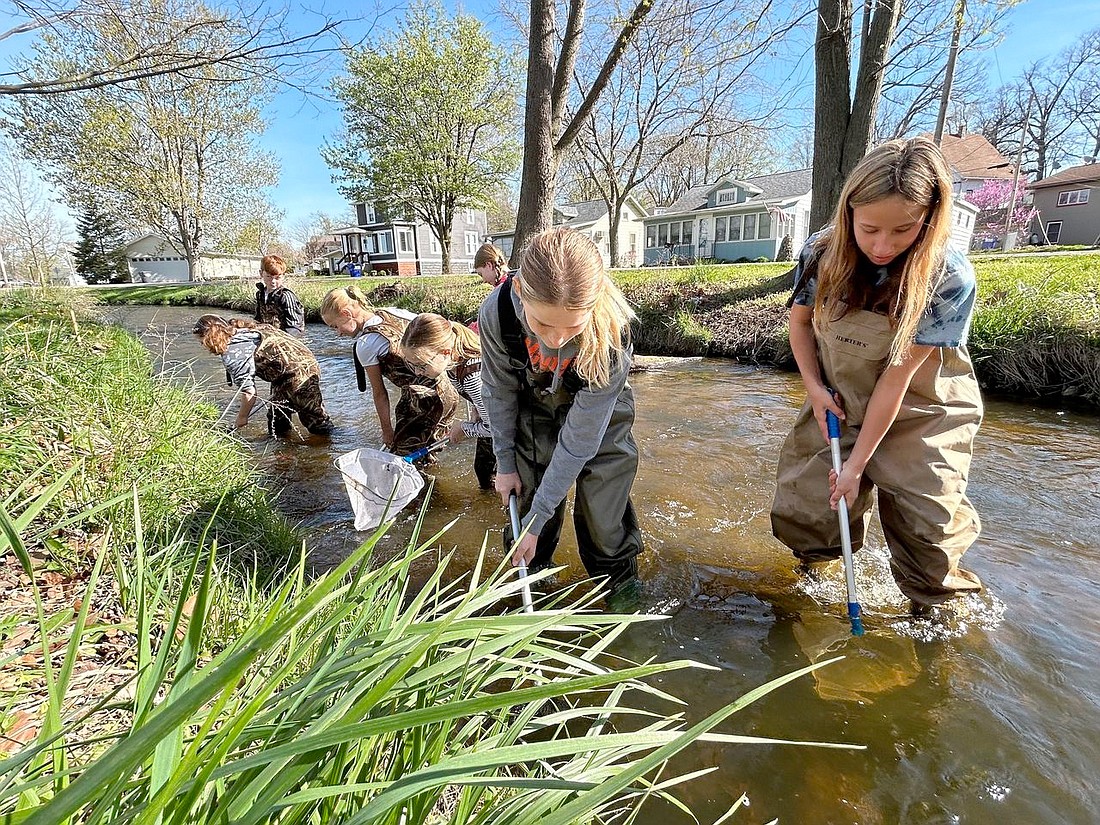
(1073, 198)
(720, 230)
(433, 243)
(674, 233)
(633, 243)
(469, 216)
(405, 240)
(662, 234)
(764, 229)
(383, 242)
(735, 227)
(1054, 231)
(726, 196)
(687, 233)
(471, 244)
(750, 228)
(651, 236)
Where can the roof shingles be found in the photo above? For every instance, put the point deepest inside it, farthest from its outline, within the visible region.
(1075, 174)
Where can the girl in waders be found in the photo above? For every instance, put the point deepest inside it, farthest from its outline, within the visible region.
(555, 344)
(249, 351)
(879, 319)
(433, 346)
(426, 406)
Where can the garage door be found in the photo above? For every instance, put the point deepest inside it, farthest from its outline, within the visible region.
(159, 270)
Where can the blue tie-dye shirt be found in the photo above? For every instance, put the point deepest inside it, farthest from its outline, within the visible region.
(946, 321)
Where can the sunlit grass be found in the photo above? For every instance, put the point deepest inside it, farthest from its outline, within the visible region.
(1036, 315)
(78, 396)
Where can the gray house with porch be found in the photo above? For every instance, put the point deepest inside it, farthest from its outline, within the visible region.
(396, 245)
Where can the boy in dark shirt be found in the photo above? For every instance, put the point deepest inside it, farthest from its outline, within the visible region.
(276, 304)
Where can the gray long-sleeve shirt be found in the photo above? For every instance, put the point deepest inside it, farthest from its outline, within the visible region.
(581, 434)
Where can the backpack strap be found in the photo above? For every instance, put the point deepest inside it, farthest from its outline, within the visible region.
(467, 368)
(511, 332)
(360, 372)
(809, 270)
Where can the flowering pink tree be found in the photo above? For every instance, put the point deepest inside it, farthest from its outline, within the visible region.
(993, 198)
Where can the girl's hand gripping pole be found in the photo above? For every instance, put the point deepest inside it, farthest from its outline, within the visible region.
(854, 611)
(416, 455)
(513, 515)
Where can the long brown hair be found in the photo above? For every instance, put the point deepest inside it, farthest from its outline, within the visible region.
(352, 299)
(214, 333)
(563, 268)
(916, 170)
(435, 333)
(488, 254)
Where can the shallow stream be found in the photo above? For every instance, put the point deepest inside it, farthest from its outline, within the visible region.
(989, 712)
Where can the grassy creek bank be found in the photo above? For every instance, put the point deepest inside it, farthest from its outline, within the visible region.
(148, 672)
(1036, 331)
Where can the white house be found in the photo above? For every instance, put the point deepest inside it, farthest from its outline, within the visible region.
(154, 260)
(973, 161)
(591, 218)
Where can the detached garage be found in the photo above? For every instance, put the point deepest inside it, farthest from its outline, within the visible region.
(156, 260)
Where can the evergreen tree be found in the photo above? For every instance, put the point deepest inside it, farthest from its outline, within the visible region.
(99, 255)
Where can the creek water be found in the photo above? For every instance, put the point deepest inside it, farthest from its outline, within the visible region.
(988, 711)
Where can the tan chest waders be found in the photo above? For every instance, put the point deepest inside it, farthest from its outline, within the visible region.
(920, 468)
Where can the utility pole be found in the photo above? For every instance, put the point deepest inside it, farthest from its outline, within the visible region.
(1016, 172)
(949, 73)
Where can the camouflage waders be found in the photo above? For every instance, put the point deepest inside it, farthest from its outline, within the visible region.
(426, 407)
(295, 380)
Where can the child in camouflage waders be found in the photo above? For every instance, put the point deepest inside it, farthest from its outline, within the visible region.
(426, 406)
(555, 344)
(250, 351)
(879, 318)
(277, 304)
(433, 347)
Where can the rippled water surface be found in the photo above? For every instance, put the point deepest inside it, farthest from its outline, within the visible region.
(988, 712)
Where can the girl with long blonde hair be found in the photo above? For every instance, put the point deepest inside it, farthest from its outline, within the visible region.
(435, 347)
(878, 324)
(426, 406)
(556, 352)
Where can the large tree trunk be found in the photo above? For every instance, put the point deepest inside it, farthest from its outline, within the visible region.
(540, 160)
(842, 127)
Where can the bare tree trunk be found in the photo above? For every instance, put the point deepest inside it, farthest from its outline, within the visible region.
(614, 216)
(832, 109)
(546, 134)
(949, 73)
(842, 126)
(540, 161)
(445, 249)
